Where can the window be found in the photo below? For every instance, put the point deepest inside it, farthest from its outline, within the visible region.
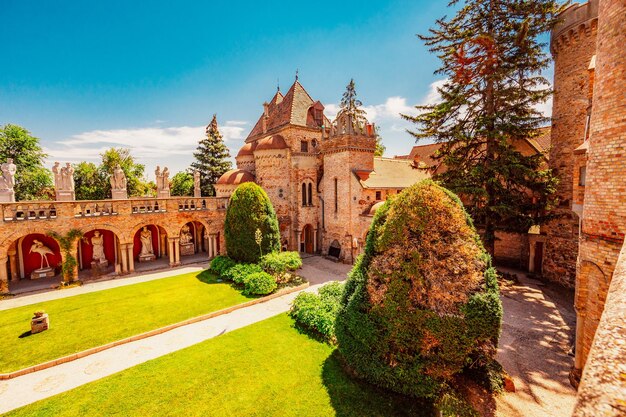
(310, 200)
(303, 194)
(336, 196)
(378, 195)
(304, 146)
(582, 176)
(314, 144)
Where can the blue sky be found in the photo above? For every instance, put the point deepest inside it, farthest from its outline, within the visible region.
(87, 75)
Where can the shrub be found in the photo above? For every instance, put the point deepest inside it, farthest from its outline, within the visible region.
(318, 312)
(422, 301)
(220, 264)
(239, 272)
(259, 283)
(250, 210)
(277, 263)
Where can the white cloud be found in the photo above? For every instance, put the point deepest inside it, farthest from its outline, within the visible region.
(150, 145)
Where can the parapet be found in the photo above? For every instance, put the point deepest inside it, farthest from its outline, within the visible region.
(572, 20)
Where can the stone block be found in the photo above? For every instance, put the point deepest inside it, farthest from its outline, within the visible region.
(39, 323)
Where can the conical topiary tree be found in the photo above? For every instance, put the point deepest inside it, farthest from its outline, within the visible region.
(249, 210)
(422, 302)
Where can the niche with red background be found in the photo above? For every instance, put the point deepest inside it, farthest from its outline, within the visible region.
(155, 241)
(32, 260)
(86, 248)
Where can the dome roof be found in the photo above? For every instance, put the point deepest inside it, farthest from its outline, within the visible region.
(235, 177)
(375, 207)
(247, 149)
(273, 142)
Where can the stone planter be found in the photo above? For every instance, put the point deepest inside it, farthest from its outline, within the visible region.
(39, 323)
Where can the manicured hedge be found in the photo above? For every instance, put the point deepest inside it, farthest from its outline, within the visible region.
(239, 272)
(220, 264)
(319, 312)
(260, 283)
(422, 302)
(250, 210)
(277, 263)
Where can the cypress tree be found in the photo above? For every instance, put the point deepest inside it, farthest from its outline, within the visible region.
(492, 55)
(211, 158)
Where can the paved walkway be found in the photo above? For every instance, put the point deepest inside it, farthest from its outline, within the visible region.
(36, 386)
(537, 333)
(92, 287)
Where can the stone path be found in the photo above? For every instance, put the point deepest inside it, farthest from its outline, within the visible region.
(537, 333)
(24, 300)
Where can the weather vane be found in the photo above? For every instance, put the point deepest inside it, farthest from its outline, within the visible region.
(297, 74)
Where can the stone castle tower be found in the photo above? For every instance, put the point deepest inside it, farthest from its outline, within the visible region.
(603, 157)
(573, 44)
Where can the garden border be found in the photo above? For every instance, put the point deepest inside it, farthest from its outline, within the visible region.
(145, 335)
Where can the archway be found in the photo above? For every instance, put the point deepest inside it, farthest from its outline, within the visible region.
(150, 243)
(306, 240)
(34, 256)
(335, 249)
(192, 239)
(94, 244)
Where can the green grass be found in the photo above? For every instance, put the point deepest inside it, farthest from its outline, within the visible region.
(89, 320)
(266, 369)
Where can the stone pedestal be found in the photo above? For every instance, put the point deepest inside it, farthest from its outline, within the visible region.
(197, 193)
(7, 196)
(39, 324)
(163, 194)
(119, 194)
(187, 249)
(42, 273)
(100, 264)
(147, 258)
(65, 196)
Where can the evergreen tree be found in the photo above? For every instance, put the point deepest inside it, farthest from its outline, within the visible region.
(492, 57)
(380, 148)
(351, 106)
(211, 158)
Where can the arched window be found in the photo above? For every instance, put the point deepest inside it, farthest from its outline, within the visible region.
(310, 201)
(304, 199)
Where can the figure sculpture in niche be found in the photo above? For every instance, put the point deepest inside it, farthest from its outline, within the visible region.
(97, 241)
(42, 250)
(185, 236)
(146, 242)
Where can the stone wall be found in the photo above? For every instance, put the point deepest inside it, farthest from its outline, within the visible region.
(573, 44)
(511, 249)
(604, 210)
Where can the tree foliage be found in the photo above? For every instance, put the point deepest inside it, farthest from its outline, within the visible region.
(212, 158)
(492, 56)
(134, 172)
(250, 209)
(67, 243)
(182, 184)
(90, 182)
(32, 180)
(351, 106)
(422, 302)
(380, 148)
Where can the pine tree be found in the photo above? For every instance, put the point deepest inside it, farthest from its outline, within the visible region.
(492, 57)
(211, 158)
(351, 106)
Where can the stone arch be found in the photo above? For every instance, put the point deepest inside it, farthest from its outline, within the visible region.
(159, 239)
(112, 239)
(23, 262)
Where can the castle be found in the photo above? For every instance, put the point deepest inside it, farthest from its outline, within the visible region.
(322, 178)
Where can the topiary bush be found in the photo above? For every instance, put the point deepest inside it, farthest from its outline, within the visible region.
(220, 264)
(250, 210)
(259, 283)
(239, 272)
(318, 312)
(422, 302)
(277, 263)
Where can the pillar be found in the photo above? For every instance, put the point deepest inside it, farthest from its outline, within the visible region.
(531, 258)
(315, 241)
(210, 246)
(299, 234)
(162, 248)
(170, 248)
(177, 251)
(4, 279)
(131, 258)
(13, 266)
(124, 253)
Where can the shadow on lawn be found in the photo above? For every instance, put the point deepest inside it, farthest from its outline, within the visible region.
(354, 398)
(208, 277)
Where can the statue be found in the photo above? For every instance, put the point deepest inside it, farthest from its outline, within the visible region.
(118, 179)
(196, 184)
(97, 241)
(147, 251)
(43, 251)
(185, 236)
(64, 181)
(166, 178)
(7, 181)
(186, 242)
(69, 177)
(162, 182)
(159, 178)
(58, 182)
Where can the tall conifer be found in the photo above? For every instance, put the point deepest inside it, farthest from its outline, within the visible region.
(211, 158)
(492, 53)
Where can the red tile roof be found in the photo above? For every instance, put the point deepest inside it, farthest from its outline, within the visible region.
(236, 177)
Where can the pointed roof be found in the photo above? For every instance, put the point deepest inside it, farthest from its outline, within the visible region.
(292, 108)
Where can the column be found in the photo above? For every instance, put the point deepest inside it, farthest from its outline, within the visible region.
(299, 240)
(13, 266)
(162, 249)
(4, 279)
(177, 251)
(131, 258)
(170, 248)
(315, 241)
(210, 246)
(124, 253)
(75, 255)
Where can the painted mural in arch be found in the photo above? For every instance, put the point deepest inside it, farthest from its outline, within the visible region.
(28, 260)
(110, 243)
(158, 245)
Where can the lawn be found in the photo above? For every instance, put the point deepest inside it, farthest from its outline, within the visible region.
(266, 369)
(89, 320)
